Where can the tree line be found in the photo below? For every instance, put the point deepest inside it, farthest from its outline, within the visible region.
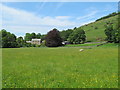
(53, 38)
(108, 16)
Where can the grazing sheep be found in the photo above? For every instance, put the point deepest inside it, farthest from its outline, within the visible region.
(81, 50)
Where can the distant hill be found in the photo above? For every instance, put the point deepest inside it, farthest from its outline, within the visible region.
(95, 31)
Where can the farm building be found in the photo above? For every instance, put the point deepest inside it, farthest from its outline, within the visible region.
(35, 41)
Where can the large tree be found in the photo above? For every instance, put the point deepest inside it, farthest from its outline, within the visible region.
(78, 36)
(28, 37)
(38, 36)
(53, 38)
(33, 35)
(65, 34)
(8, 39)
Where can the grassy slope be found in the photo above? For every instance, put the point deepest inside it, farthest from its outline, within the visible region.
(60, 67)
(93, 34)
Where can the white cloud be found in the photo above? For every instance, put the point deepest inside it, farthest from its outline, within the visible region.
(22, 21)
(21, 30)
(27, 29)
(13, 16)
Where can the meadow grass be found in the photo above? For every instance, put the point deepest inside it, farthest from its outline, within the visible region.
(60, 68)
(78, 45)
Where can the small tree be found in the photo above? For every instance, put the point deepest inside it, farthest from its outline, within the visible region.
(53, 39)
(96, 27)
(110, 33)
(65, 34)
(20, 41)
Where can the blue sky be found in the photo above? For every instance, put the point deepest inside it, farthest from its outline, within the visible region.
(40, 17)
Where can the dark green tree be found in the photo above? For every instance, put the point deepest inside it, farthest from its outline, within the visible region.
(28, 37)
(65, 34)
(33, 35)
(8, 39)
(111, 33)
(38, 36)
(78, 36)
(20, 42)
(53, 38)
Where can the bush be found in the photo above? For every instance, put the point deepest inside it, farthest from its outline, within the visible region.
(43, 44)
(38, 45)
(96, 27)
(33, 45)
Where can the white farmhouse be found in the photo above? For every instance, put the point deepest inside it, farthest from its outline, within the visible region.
(35, 41)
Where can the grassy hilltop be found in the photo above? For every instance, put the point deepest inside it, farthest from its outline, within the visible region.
(95, 30)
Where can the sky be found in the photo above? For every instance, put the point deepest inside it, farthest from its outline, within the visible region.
(41, 17)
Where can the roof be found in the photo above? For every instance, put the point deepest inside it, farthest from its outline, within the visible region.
(36, 39)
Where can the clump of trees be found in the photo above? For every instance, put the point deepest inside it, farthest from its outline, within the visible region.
(53, 38)
(30, 36)
(65, 34)
(8, 39)
(77, 36)
(112, 34)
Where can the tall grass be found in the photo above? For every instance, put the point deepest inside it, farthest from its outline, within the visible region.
(60, 68)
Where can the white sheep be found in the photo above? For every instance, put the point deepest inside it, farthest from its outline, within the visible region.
(81, 50)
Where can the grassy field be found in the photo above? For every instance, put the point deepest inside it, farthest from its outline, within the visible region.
(79, 45)
(60, 67)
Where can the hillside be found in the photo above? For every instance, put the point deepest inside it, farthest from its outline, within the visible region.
(95, 31)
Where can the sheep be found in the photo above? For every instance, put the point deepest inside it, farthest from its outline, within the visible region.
(81, 50)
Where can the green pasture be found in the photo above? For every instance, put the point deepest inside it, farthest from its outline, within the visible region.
(79, 45)
(61, 67)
